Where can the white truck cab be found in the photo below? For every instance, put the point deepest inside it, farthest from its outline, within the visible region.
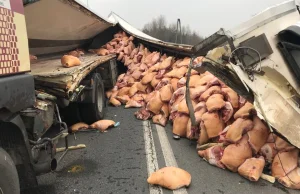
(267, 53)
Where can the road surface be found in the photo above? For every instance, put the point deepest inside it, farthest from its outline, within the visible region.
(120, 160)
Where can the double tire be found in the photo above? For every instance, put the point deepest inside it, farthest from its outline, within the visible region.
(9, 180)
(87, 112)
(91, 112)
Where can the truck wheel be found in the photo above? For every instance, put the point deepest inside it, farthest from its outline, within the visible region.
(71, 114)
(9, 180)
(92, 112)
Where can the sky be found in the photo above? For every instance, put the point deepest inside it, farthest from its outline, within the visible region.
(203, 16)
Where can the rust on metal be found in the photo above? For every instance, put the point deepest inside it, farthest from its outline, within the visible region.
(44, 96)
(52, 78)
(42, 104)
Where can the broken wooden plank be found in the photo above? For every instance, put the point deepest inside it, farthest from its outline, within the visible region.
(79, 146)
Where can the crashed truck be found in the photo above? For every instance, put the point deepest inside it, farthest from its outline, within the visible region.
(260, 60)
(40, 96)
(39, 99)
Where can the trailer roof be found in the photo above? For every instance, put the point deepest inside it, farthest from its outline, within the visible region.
(173, 47)
(61, 25)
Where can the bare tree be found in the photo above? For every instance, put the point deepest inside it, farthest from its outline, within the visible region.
(159, 28)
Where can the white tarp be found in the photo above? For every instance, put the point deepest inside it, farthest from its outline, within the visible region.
(114, 18)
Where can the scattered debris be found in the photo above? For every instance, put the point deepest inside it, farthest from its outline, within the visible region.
(79, 126)
(269, 178)
(103, 125)
(171, 178)
(76, 169)
(117, 124)
(229, 132)
(79, 146)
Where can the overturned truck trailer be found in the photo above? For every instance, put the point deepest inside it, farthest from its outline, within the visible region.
(272, 82)
(264, 65)
(56, 33)
(56, 27)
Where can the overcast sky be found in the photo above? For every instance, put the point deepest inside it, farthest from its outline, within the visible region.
(203, 16)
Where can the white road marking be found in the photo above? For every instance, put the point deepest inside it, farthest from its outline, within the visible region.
(152, 164)
(168, 153)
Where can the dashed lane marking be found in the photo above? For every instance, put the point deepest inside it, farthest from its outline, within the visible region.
(152, 164)
(168, 153)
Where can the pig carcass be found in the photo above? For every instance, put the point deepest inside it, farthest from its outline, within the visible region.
(231, 96)
(284, 163)
(166, 93)
(238, 129)
(213, 124)
(210, 91)
(180, 125)
(236, 154)
(102, 125)
(143, 114)
(215, 102)
(170, 177)
(269, 151)
(155, 104)
(291, 180)
(246, 111)
(213, 155)
(252, 168)
(258, 136)
(227, 112)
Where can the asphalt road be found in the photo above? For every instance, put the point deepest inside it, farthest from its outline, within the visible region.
(117, 162)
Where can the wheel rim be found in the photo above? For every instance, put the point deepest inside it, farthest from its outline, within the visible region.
(99, 99)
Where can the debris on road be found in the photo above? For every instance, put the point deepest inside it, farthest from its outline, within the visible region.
(79, 146)
(156, 83)
(103, 125)
(79, 126)
(269, 178)
(117, 124)
(76, 169)
(171, 178)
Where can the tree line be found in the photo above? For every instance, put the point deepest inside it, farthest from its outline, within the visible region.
(160, 29)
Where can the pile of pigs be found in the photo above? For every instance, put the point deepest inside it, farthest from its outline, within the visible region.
(239, 140)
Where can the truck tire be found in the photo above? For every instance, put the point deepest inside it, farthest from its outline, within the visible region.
(71, 114)
(92, 112)
(9, 180)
